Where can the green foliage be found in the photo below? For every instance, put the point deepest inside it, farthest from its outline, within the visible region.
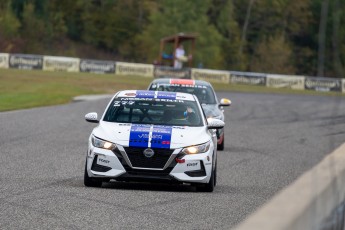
(232, 34)
(112, 21)
(222, 15)
(9, 24)
(33, 29)
(273, 55)
(178, 16)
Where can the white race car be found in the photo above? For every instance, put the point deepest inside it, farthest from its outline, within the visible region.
(153, 136)
(205, 94)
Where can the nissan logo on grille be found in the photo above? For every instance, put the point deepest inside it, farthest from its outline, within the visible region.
(149, 153)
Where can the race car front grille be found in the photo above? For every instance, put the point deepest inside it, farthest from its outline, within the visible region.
(139, 160)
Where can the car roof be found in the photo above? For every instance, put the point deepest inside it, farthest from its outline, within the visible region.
(155, 95)
(180, 81)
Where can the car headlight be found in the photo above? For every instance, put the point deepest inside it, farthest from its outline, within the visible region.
(102, 143)
(195, 149)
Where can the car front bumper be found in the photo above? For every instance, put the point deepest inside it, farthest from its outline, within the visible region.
(123, 165)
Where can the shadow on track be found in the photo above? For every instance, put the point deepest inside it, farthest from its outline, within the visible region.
(148, 186)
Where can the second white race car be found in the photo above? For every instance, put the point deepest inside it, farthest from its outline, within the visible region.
(205, 94)
(153, 136)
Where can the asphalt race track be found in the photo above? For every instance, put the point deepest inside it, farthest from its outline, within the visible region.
(270, 141)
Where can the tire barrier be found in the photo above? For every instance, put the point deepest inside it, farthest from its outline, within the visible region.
(4, 60)
(68, 64)
(211, 75)
(95, 66)
(170, 72)
(51, 63)
(144, 70)
(323, 84)
(283, 81)
(26, 61)
(245, 78)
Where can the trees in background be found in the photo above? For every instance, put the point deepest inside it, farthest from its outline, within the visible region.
(9, 27)
(277, 36)
(222, 14)
(175, 16)
(273, 55)
(338, 32)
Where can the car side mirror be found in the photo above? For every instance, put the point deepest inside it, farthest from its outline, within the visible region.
(92, 117)
(215, 123)
(225, 102)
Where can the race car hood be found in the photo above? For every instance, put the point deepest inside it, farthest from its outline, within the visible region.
(212, 110)
(154, 136)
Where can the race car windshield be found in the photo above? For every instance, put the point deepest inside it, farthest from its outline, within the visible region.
(154, 111)
(204, 93)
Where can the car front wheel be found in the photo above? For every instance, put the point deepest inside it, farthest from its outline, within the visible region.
(221, 145)
(91, 182)
(209, 187)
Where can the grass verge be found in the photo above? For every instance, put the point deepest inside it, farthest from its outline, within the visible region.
(20, 89)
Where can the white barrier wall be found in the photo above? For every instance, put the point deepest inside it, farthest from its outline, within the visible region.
(170, 72)
(285, 81)
(211, 75)
(323, 84)
(245, 78)
(96, 66)
(51, 63)
(54, 63)
(4, 60)
(125, 68)
(25, 61)
(304, 204)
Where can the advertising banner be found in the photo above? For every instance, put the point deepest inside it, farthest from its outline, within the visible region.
(4, 60)
(323, 84)
(26, 61)
(51, 63)
(144, 70)
(211, 75)
(285, 81)
(247, 78)
(170, 72)
(95, 66)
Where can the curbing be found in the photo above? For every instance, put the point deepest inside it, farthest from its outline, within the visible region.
(307, 201)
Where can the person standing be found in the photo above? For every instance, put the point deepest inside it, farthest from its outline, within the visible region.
(179, 56)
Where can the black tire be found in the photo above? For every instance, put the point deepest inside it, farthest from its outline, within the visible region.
(209, 187)
(215, 175)
(221, 145)
(91, 182)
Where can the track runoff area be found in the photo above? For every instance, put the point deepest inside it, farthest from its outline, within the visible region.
(271, 141)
